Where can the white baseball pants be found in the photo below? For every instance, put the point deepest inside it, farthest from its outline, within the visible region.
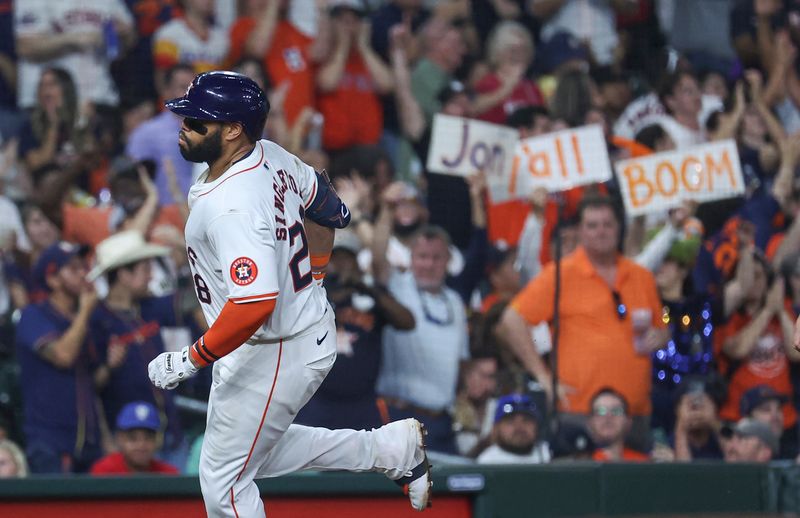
(256, 392)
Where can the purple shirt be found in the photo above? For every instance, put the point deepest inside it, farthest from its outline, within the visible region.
(157, 139)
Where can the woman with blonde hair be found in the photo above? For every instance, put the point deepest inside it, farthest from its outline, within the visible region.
(12, 460)
(509, 53)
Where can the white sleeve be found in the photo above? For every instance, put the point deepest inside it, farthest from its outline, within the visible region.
(245, 249)
(307, 178)
(31, 17)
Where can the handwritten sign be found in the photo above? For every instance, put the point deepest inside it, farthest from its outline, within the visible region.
(662, 181)
(461, 147)
(560, 161)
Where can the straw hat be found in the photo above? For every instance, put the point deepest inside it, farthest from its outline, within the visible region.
(123, 248)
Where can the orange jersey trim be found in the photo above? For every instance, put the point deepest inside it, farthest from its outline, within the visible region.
(254, 298)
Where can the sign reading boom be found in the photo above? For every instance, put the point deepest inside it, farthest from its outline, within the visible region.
(703, 173)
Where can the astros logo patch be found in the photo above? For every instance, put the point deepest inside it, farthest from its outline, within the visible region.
(243, 271)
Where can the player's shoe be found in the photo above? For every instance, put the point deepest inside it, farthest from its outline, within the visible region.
(417, 482)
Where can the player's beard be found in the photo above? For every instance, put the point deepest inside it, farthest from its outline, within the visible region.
(207, 150)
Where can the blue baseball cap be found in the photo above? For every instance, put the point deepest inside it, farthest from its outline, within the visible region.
(54, 258)
(515, 404)
(138, 414)
(559, 49)
(757, 395)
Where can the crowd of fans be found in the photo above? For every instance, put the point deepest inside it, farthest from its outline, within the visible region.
(672, 336)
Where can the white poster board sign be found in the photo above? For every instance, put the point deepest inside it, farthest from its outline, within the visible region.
(662, 181)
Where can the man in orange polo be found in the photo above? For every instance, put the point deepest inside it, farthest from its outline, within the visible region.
(610, 321)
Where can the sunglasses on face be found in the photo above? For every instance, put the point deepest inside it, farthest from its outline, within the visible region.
(622, 310)
(616, 411)
(196, 125)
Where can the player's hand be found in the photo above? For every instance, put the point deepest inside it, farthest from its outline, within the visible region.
(169, 369)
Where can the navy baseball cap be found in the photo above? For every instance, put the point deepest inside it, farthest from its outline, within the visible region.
(54, 258)
(515, 404)
(559, 49)
(758, 395)
(138, 414)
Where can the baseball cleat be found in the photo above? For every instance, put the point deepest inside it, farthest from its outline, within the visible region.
(417, 483)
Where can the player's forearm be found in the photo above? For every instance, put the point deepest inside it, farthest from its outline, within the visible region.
(235, 324)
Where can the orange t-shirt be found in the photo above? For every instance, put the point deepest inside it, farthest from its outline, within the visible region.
(353, 112)
(596, 347)
(506, 220)
(89, 225)
(766, 365)
(628, 455)
(285, 60)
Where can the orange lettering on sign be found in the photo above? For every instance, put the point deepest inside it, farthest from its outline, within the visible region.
(538, 164)
(577, 151)
(692, 165)
(512, 185)
(660, 169)
(724, 166)
(634, 174)
(560, 153)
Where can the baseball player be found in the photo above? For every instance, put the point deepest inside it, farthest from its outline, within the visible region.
(272, 334)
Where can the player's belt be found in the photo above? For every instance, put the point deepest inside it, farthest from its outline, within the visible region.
(408, 407)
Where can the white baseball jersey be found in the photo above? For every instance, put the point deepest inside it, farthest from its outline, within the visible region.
(246, 241)
(89, 68)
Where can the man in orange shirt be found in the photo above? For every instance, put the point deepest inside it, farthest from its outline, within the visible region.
(608, 426)
(610, 321)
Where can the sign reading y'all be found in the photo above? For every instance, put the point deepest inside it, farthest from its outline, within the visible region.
(559, 161)
(662, 181)
(556, 161)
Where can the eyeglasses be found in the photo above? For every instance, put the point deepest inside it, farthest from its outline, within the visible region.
(616, 411)
(196, 125)
(622, 310)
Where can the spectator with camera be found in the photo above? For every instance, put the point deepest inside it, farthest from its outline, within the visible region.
(697, 423)
(516, 434)
(347, 398)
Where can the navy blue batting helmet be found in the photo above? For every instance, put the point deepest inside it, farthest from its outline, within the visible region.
(224, 96)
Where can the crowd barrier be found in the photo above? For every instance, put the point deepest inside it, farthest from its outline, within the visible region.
(575, 489)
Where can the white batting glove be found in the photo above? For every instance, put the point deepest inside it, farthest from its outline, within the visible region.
(169, 369)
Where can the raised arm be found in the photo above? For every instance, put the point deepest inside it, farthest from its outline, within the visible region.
(378, 70)
(412, 118)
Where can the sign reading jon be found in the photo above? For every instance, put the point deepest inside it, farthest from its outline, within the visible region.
(662, 181)
(560, 161)
(463, 146)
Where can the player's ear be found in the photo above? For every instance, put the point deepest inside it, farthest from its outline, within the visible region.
(232, 131)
